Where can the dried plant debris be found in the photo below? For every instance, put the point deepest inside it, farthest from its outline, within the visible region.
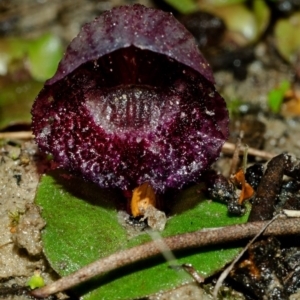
(222, 189)
(273, 191)
(268, 197)
(277, 187)
(265, 278)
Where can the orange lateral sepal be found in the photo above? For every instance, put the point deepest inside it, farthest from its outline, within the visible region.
(246, 189)
(142, 197)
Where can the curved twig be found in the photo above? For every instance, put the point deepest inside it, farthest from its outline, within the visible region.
(19, 135)
(225, 273)
(229, 149)
(196, 239)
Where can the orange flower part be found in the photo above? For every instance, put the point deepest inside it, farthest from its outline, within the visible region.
(246, 189)
(142, 197)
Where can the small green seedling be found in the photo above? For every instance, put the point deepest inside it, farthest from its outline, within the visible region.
(276, 96)
(14, 217)
(36, 281)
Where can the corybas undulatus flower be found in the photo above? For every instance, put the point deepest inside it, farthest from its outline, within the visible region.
(132, 101)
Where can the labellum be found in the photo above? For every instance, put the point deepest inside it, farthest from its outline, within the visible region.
(133, 101)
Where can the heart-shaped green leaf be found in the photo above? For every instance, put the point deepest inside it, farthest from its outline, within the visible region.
(82, 226)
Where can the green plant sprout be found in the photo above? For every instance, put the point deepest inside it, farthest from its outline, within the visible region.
(14, 217)
(276, 96)
(36, 280)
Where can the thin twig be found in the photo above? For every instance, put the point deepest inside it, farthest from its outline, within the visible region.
(4, 245)
(245, 159)
(188, 240)
(22, 135)
(193, 272)
(228, 148)
(225, 273)
(235, 157)
(291, 213)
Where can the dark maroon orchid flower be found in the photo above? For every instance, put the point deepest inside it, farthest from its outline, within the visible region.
(132, 101)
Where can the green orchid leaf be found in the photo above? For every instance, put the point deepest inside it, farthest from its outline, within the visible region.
(262, 14)
(286, 35)
(44, 54)
(16, 99)
(183, 6)
(40, 55)
(82, 226)
(276, 96)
